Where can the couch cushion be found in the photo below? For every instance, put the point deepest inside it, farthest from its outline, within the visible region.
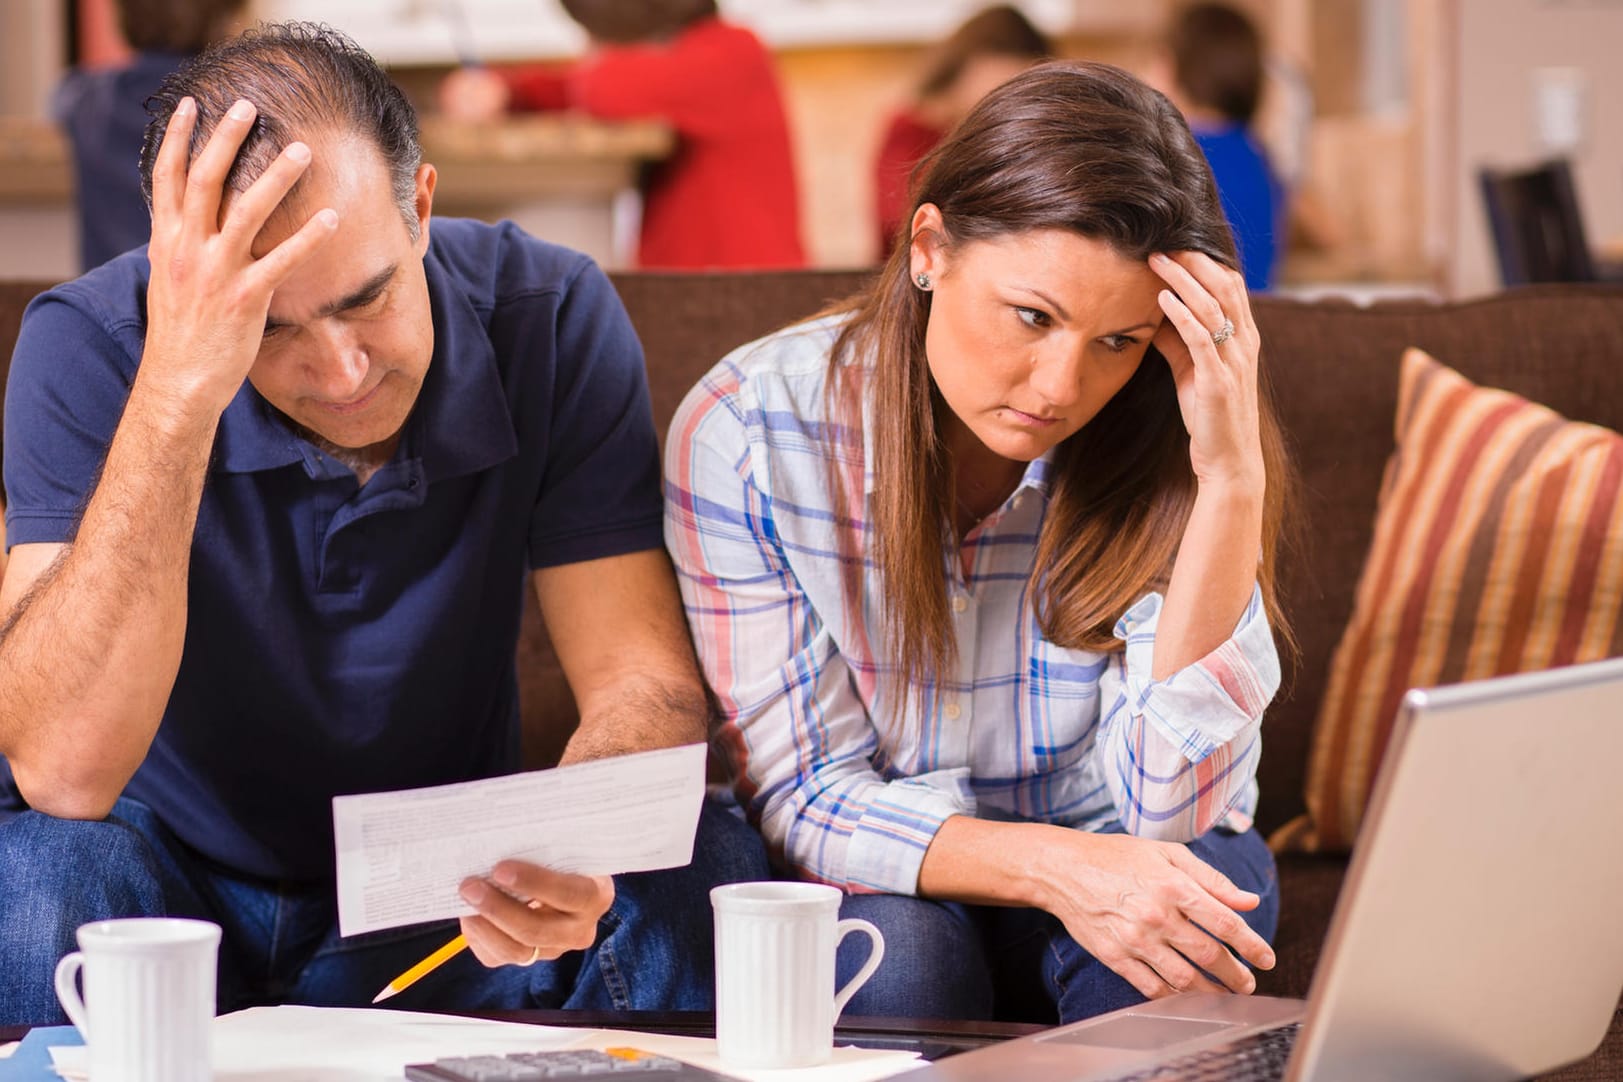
(1498, 548)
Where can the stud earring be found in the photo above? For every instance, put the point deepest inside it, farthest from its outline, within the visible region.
(923, 280)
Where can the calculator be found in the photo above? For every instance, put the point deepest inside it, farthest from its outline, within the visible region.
(624, 1064)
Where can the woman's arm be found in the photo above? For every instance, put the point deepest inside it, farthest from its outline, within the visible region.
(1182, 704)
(795, 732)
(1216, 567)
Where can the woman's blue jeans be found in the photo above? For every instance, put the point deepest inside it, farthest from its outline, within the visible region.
(654, 947)
(948, 960)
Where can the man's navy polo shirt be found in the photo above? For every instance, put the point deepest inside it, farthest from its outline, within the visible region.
(342, 640)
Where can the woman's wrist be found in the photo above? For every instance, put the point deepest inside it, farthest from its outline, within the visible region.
(1239, 481)
(988, 862)
(1032, 856)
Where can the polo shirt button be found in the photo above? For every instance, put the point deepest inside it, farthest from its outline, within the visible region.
(958, 603)
(952, 711)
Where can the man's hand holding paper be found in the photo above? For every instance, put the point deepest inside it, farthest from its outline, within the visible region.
(555, 835)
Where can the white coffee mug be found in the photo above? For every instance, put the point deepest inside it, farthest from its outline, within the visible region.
(148, 997)
(775, 998)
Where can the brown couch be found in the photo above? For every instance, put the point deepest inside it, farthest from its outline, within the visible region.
(1335, 370)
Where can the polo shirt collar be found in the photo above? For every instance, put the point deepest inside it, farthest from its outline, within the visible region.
(460, 424)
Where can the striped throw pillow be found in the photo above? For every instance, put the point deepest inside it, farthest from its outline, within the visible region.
(1498, 548)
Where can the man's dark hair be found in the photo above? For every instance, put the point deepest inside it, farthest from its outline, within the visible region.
(624, 22)
(302, 78)
(175, 26)
(1217, 59)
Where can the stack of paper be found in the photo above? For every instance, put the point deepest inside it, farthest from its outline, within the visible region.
(326, 1044)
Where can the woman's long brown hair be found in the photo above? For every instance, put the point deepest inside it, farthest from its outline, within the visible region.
(1086, 148)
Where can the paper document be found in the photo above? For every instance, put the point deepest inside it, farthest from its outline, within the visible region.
(325, 1044)
(402, 855)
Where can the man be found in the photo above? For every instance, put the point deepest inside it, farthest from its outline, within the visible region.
(275, 484)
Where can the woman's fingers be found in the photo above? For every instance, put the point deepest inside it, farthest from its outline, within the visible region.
(1215, 293)
(1195, 340)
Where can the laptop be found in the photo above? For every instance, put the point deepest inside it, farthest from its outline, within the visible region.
(1476, 936)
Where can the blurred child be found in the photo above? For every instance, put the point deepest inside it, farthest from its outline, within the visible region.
(989, 49)
(726, 197)
(1212, 69)
(103, 113)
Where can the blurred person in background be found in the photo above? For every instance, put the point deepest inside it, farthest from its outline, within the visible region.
(1211, 66)
(990, 48)
(726, 198)
(103, 113)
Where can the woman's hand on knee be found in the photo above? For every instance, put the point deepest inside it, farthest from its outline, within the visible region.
(1153, 912)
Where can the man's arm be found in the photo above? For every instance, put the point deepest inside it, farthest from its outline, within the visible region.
(92, 632)
(618, 628)
(622, 639)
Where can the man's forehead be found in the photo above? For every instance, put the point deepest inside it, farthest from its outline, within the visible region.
(345, 173)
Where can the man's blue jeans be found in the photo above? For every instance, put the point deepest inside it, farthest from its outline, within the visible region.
(947, 960)
(654, 947)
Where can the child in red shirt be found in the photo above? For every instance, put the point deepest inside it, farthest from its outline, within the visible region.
(991, 47)
(726, 198)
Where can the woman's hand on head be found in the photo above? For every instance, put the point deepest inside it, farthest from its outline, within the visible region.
(1156, 914)
(1216, 380)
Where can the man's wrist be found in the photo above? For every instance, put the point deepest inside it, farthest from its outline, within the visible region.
(170, 415)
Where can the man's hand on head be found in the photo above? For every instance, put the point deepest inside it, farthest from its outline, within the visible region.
(209, 295)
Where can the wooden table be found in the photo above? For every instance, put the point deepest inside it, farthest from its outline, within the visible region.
(564, 178)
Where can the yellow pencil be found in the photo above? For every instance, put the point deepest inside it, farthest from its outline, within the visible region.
(422, 969)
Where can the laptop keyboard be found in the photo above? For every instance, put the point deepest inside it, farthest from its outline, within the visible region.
(1256, 1057)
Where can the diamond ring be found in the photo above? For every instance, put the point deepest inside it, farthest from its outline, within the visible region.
(1223, 333)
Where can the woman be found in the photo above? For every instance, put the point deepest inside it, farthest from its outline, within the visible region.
(990, 47)
(980, 566)
(727, 196)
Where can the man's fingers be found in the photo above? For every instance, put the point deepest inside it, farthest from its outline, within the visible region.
(249, 211)
(493, 947)
(562, 891)
(274, 267)
(205, 180)
(532, 913)
(169, 168)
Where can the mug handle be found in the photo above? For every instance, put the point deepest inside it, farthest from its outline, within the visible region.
(875, 956)
(67, 990)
